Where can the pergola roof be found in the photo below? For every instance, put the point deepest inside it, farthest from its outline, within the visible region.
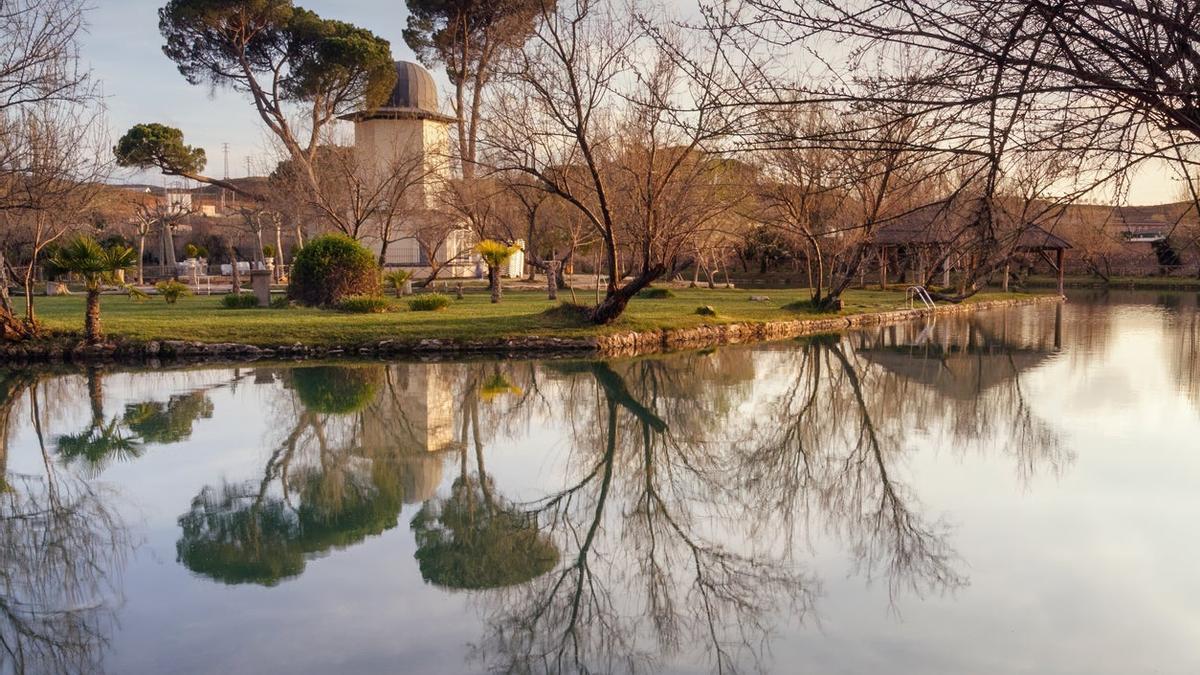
(942, 223)
(1035, 238)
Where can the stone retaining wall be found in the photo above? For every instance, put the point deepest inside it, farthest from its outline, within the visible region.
(617, 344)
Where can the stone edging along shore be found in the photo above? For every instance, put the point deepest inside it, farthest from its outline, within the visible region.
(617, 344)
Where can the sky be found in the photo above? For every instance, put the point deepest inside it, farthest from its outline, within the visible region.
(140, 84)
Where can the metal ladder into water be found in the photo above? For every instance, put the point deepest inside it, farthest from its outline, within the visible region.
(919, 293)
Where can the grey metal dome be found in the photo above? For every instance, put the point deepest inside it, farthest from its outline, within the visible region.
(415, 96)
(414, 90)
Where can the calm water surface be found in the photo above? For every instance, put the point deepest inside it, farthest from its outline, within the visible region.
(1017, 492)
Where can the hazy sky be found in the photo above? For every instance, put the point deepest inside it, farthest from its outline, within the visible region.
(142, 85)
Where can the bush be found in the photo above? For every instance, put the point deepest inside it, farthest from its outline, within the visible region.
(706, 310)
(655, 293)
(332, 267)
(337, 389)
(281, 302)
(172, 290)
(429, 302)
(396, 279)
(240, 301)
(364, 304)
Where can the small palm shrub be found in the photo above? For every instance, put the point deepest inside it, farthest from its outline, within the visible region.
(429, 302)
(240, 301)
(396, 279)
(364, 304)
(97, 266)
(172, 290)
(332, 267)
(496, 254)
(655, 293)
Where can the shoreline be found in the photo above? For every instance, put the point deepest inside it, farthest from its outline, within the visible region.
(624, 344)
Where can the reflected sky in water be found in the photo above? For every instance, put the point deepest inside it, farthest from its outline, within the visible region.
(1004, 493)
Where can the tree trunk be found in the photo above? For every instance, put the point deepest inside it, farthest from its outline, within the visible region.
(494, 279)
(259, 256)
(141, 258)
(552, 279)
(614, 303)
(95, 388)
(236, 277)
(30, 312)
(11, 328)
(278, 250)
(168, 258)
(91, 322)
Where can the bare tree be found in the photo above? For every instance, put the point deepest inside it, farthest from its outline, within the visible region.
(593, 108)
(41, 82)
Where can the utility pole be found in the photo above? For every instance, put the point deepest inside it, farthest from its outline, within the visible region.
(225, 149)
(247, 166)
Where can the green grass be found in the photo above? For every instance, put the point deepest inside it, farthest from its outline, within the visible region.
(474, 317)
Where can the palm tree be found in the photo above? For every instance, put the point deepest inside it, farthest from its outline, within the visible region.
(496, 255)
(97, 266)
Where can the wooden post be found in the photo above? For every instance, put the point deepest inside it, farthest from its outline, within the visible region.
(883, 268)
(1059, 262)
(1004, 282)
(1058, 326)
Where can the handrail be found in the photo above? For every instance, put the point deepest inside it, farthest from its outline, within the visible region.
(919, 292)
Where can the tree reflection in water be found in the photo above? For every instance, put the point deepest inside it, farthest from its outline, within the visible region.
(333, 480)
(475, 539)
(689, 489)
(62, 551)
(646, 571)
(679, 523)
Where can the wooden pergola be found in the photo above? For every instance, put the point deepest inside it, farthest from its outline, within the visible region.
(1035, 239)
(926, 233)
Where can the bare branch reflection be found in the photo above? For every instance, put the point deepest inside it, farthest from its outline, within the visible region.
(62, 552)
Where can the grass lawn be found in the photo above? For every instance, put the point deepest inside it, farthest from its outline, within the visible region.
(203, 318)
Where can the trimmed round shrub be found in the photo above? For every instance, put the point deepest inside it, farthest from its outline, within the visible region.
(240, 301)
(364, 304)
(281, 302)
(429, 302)
(337, 389)
(330, 268)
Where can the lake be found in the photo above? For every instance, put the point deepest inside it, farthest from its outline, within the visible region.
(1016, 491)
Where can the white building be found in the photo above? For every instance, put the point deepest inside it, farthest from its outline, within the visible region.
(410, 133)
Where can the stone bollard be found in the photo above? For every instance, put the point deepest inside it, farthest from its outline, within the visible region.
(406, 287)
(260, 282)
(552, 279)
(458, 290)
